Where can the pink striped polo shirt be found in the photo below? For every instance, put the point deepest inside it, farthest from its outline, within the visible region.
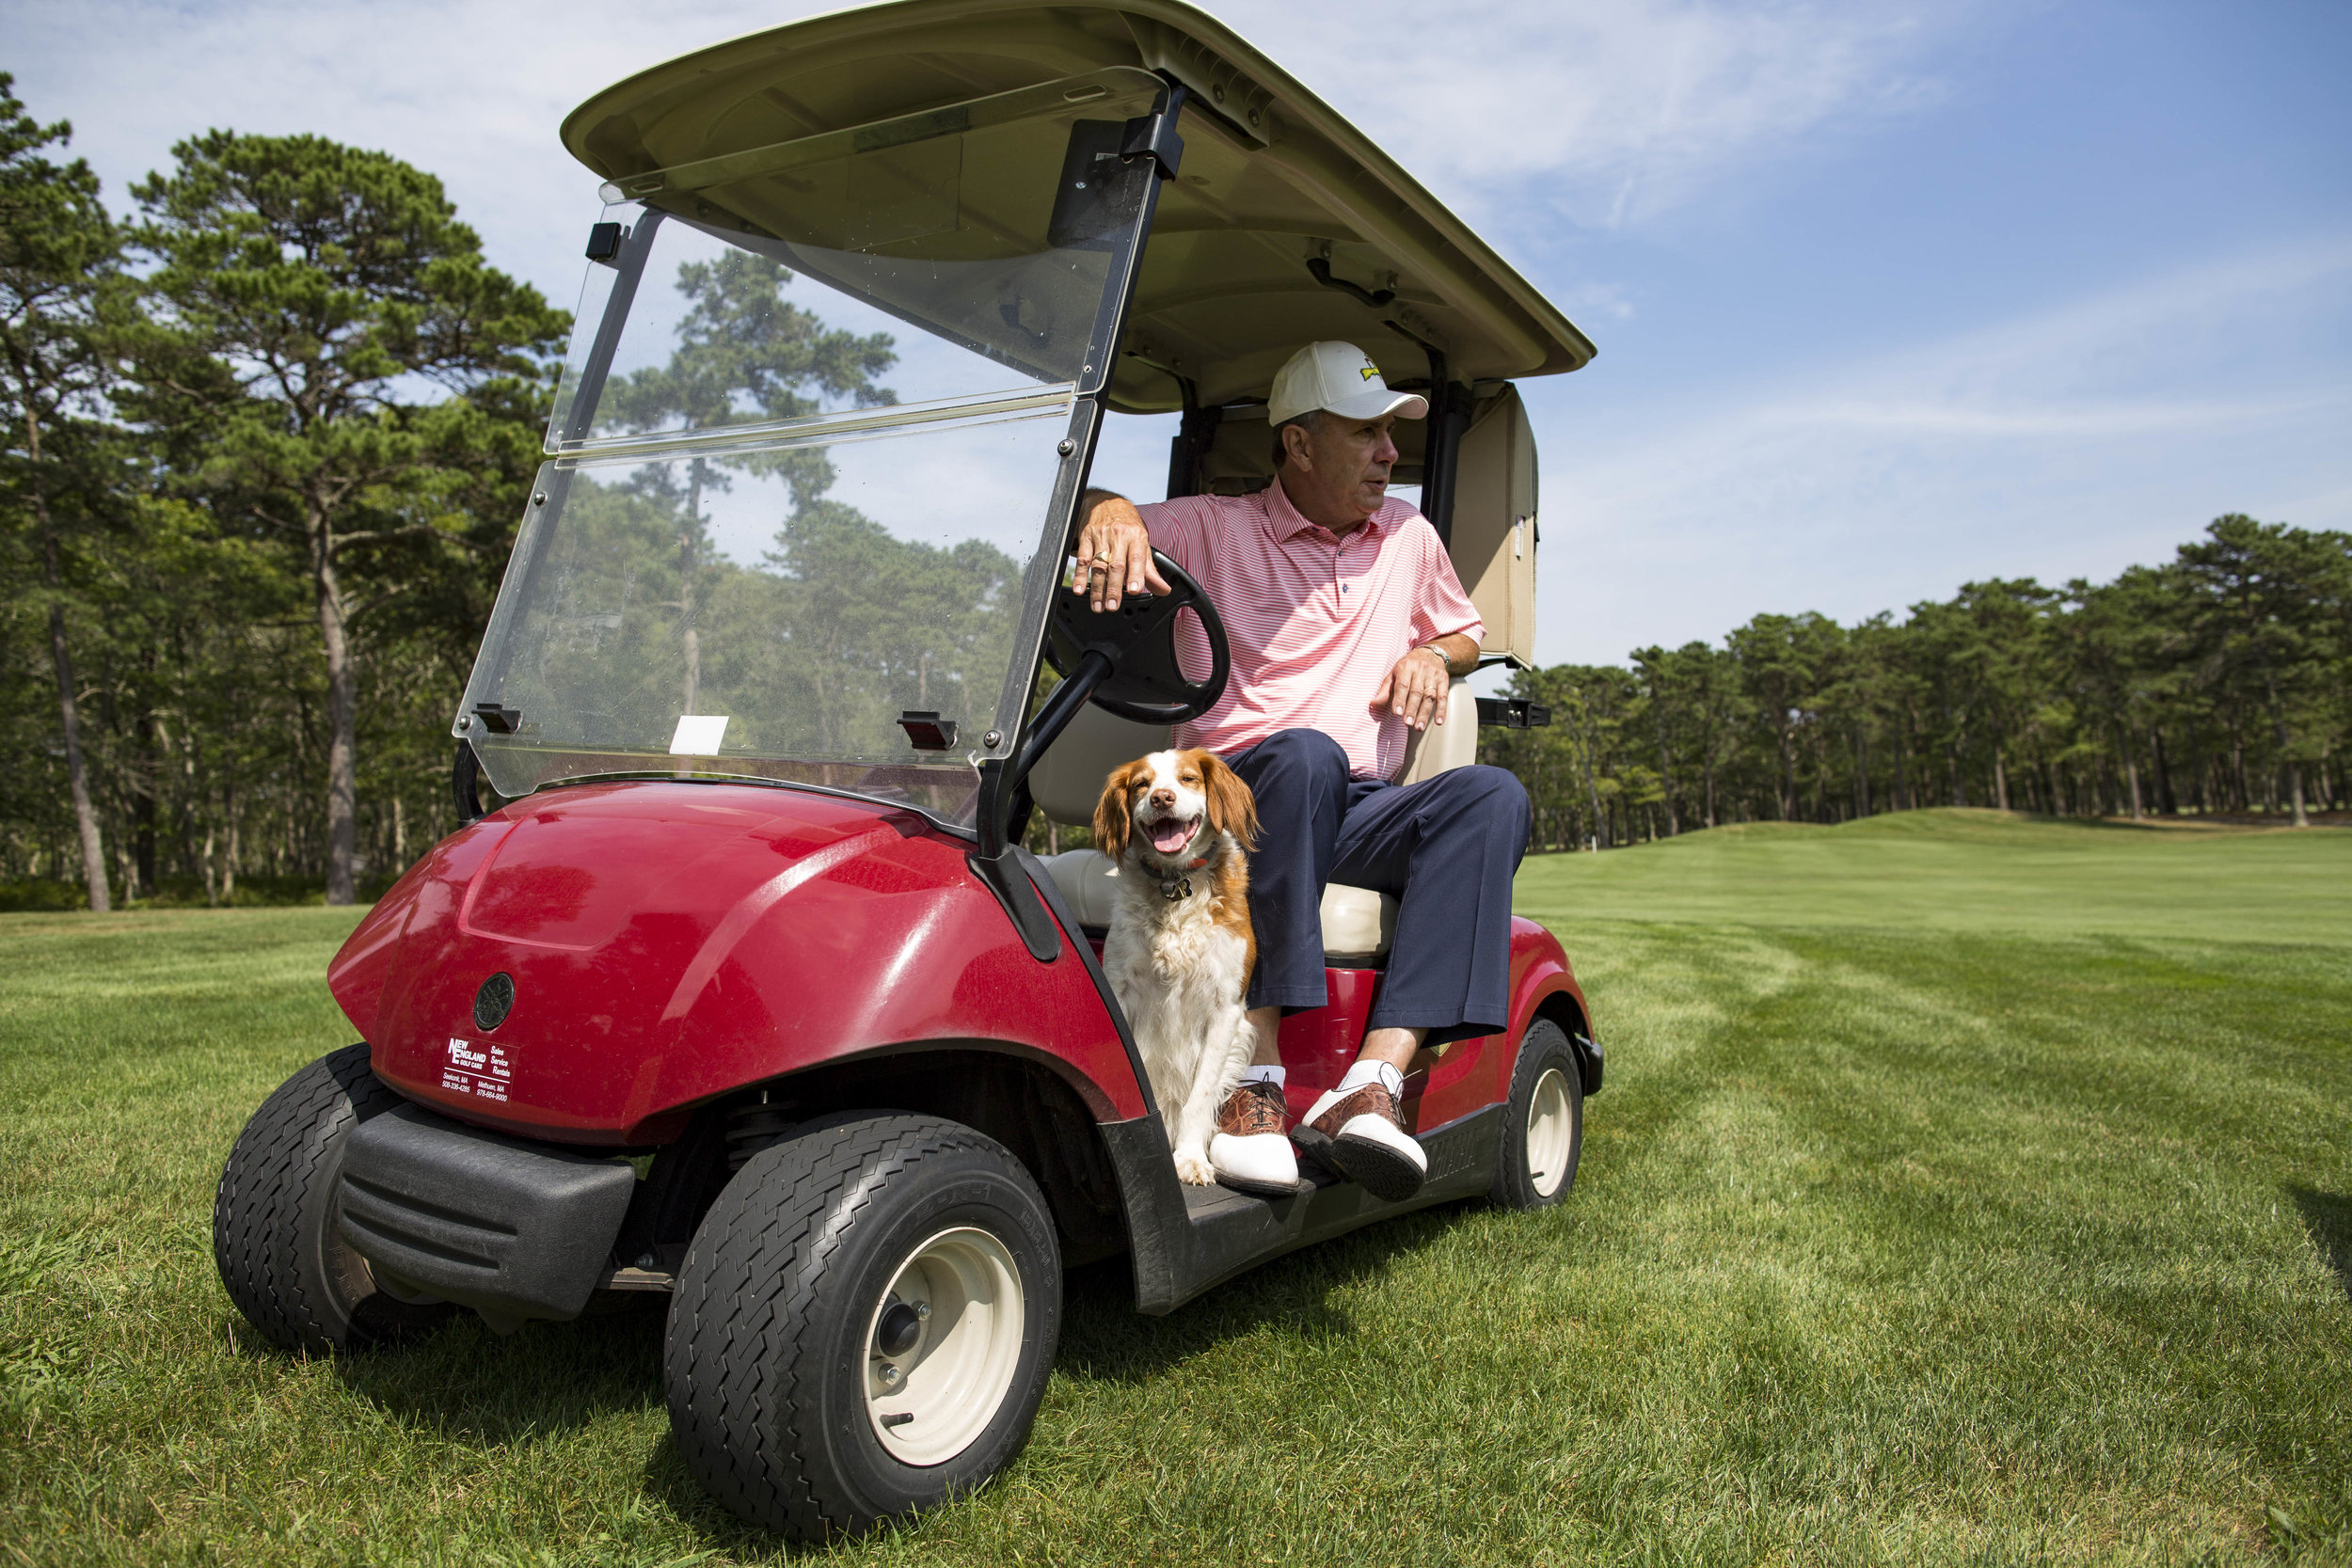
(1317, 622)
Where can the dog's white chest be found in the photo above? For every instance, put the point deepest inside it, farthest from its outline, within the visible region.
(1191, 941)
(1172, 961)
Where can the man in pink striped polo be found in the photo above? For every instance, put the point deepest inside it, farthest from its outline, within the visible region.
(1346, 624)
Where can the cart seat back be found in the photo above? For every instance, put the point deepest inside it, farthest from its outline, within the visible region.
(1068, 779)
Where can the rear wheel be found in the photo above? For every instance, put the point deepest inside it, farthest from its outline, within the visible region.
(274, 1236)
(1543, 1131)
(864, 1325)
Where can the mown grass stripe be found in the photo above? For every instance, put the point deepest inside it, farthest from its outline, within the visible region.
(1947, 1204)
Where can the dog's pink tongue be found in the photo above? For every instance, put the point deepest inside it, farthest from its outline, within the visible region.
(1168, 838)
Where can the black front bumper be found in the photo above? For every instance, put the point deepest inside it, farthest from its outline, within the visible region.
(511, 1229)
(1588, 1061)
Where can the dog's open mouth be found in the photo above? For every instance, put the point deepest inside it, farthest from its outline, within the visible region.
(1169, 835)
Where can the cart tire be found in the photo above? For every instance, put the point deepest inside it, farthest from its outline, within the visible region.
(800, 1297)
(1543, 1132)
(274, 1238)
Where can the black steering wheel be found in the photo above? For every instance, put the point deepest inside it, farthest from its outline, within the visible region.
(1145, 684)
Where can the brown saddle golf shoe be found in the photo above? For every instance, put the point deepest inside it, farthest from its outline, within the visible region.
(1361, 1134)
(1251, 1148)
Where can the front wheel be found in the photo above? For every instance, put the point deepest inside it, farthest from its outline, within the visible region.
(1543, 1130)
(864, 1325)
(274, 1217)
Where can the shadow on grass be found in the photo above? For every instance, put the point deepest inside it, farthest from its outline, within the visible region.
(2328, 1218)
(1104, 1340)
(464, 1381)
(670, 1483)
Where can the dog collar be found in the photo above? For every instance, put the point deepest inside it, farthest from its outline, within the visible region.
(1177, 885)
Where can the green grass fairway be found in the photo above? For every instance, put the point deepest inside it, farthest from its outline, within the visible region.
(1981, 871)
(1966, 1190)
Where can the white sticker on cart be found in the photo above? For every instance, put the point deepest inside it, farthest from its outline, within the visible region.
(698, 735)
(479, 1069)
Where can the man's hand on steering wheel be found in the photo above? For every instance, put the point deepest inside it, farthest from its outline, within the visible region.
(1113, 552)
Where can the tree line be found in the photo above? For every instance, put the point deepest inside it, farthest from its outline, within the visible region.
(267, 438)
(2219, 682)
(265, 442)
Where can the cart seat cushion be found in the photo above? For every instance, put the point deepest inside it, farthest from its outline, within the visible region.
(1357, 926)
(1358, 923)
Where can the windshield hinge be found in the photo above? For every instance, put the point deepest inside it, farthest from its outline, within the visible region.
(1320, 266)
(1153, 135)
(464, 779)
(604, 242)
(926, 731)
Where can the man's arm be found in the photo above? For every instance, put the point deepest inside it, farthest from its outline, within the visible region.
(1416, 689)
(1113, 550)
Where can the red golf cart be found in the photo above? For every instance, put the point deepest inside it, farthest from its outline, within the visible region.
(749, 993)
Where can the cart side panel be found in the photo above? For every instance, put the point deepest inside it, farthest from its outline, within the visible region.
(1476, 1073)
(668, 942)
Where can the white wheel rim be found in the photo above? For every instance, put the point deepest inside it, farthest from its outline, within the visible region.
(932, 1400)
(1551, 1133)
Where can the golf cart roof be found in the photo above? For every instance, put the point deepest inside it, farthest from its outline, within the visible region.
(1277, 192)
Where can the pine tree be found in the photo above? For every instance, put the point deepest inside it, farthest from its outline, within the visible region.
(60, 269)
(322, 285)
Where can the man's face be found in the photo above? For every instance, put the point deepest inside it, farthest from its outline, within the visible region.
(1344, 467)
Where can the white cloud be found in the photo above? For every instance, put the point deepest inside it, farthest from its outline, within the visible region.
(2070, 441)
(1622, 108)
(2116, 363)
(470, 92)
(2042, 422)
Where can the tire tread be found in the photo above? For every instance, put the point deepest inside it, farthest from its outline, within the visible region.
(291, 1142)
(1542, 1041)
(746, 1318)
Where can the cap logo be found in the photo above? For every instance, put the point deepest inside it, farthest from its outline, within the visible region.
(1372, 372)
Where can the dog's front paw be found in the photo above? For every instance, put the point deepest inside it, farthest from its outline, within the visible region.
(1192, 1164)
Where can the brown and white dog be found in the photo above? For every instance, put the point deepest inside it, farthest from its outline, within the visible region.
(1180, 825)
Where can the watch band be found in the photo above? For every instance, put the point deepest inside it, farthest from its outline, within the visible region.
(1431, 648)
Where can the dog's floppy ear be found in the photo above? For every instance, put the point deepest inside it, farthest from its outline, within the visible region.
(1232, 808)
(1114, 813)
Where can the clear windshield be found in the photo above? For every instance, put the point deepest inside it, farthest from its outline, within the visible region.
(818, 406)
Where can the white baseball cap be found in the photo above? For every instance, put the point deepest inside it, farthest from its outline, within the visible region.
(1342, 378)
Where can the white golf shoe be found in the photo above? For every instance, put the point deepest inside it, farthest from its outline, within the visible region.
(1367, 1142)
(1251, 1148)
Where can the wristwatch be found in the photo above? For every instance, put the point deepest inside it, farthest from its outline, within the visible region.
(1437, 653)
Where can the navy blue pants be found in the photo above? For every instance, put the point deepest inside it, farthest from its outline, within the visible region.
(1446, 848)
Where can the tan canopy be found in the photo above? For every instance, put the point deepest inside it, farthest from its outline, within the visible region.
(1272, 180)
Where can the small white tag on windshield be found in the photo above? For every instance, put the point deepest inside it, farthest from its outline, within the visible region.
(698, 735)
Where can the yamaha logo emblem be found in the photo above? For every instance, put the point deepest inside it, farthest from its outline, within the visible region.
(494, 1001)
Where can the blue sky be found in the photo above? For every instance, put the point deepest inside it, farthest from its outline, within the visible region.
(1888, 296)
